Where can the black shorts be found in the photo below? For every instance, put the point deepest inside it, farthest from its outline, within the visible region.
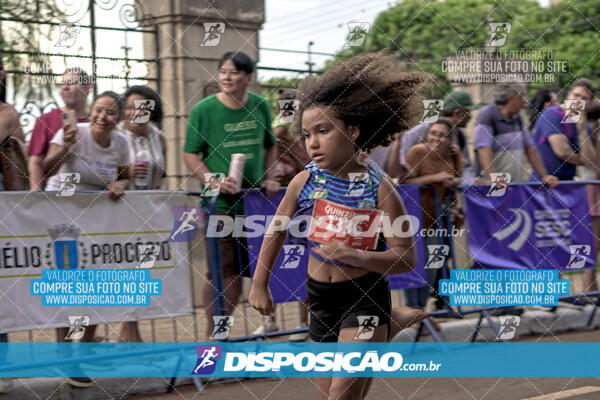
(334, 306)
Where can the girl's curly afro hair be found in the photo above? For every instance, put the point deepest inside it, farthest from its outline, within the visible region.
(369, 92)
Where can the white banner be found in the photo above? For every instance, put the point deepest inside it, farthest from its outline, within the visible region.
(87, 231)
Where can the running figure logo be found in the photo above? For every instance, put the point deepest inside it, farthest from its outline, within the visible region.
(68, 183)
(357, 33)
(212, 33)
(213, 183)
(578, 255)
(77, 324)
(148, 255)
(500, 181)
(432, 110)
(359, 182)
(207, 359)
(508, 326)
(186, 224)
(68, 34)
(222, 326)
(292, 254)
(366, 326)
(287, 110)
(437, 255)
(142, 111)
(575, 109)
(500, 31)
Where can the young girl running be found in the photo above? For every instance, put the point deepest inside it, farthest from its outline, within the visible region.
(356, 105)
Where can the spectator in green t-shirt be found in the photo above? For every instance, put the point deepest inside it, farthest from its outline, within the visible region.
(231, 121)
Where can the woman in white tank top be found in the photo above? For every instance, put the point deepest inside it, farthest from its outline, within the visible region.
(147, 152)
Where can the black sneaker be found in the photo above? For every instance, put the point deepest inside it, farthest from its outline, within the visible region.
(80, 382)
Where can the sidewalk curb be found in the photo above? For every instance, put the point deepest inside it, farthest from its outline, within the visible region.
(535, 322)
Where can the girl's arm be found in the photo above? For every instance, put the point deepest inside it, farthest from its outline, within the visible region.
(58, 152)
(392, 164)
(116, 189)
(260, 296)
(429, 179)
(401, 255)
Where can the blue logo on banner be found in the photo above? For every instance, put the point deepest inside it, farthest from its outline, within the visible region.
(65, 253)
(187, 220)
(207, 359)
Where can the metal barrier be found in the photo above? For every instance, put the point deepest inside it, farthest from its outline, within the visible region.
(216, 272)
(445, 216)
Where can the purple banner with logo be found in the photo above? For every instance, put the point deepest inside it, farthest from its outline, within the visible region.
(288, 278)
(530, 227)
(411, 197)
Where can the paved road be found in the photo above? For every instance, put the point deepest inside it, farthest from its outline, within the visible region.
(416, 388)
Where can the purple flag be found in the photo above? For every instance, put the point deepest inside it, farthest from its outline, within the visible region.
(530, 227)
(411, 197)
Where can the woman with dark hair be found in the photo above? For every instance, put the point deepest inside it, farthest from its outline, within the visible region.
(95, 150)
(143, 113)
(148, 154)
(543, 99)
(589, 172)
(437, 162)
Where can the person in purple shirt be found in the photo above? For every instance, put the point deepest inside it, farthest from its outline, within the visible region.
(502, 141)
(557, 137)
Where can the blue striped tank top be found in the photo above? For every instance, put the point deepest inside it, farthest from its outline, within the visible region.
(360, 192)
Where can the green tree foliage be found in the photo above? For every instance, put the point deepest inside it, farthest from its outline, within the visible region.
(25, 37)
(270, 90)
(422, 33)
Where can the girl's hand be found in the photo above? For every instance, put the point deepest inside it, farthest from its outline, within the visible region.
(139, 170)
(228, 186)
(442, 176)
(116, 190)
(69, 136)
(339, 251)
(451, 182)
(271, 186)
(261, 299)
